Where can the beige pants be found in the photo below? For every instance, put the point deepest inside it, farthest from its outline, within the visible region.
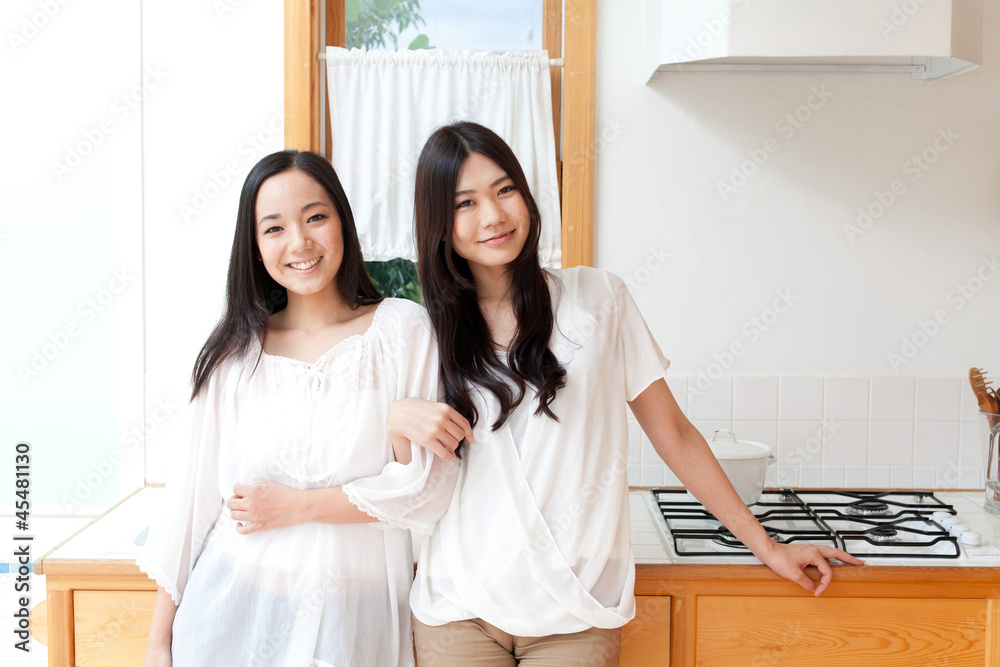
(477, 643)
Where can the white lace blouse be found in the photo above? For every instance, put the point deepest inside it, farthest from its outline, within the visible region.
(308, 594)
(537, 541)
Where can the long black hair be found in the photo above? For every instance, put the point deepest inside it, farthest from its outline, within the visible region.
(464, 340)
(251, 293)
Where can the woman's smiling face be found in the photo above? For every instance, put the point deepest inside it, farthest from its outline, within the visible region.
(491, 222)
(298, 233)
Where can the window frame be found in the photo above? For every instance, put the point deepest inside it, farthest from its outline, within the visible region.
(575, 21)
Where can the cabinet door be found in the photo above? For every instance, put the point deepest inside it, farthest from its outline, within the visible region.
(833, 632)
(646, 638)
(112, 627)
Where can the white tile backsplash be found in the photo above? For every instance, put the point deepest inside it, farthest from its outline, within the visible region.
(800, 443)
(714, 402)
(765, 432)
(971, 451)
(939, 399)
(892, 399)
(755, 398)
(848, 432)
(833, 477)
(890, 444)
(847, 444)
(936, 444)
(800, 398)
(846, 399)
(879, 477)
(901, 477)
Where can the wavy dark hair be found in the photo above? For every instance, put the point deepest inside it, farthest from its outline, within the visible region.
(252, 295)
(466, 346)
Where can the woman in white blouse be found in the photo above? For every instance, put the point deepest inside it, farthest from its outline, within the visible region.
(291, 392)
(532, 562)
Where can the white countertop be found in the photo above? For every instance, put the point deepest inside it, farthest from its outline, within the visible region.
(120, 533)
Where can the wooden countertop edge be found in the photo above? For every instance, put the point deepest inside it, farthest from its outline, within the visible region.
(96, 566)
(848, 581)
(41, 564)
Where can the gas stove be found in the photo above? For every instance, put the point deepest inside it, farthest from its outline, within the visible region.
(866, 524)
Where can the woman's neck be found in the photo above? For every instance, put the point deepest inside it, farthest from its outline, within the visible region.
(313, 312)
(493, 283)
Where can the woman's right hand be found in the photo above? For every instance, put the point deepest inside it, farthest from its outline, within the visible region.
(435, 426)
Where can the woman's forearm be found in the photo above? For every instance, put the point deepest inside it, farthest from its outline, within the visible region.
(685, 451)
(161, 629)
(270, 505)
(694, 464)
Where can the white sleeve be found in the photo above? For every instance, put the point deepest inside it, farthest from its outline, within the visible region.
(644, 362)
(193, 503)
(412, 496)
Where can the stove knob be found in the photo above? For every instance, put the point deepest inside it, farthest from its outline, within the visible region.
(948, 521)
(971, 539)
(958, 529)
(937, 516)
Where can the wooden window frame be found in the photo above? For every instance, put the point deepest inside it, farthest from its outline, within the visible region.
(576, 20)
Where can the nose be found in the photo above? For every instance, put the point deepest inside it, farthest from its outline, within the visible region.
(493, 213)
(299, 237)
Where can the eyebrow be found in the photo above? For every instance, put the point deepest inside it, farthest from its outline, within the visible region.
(274, 216)
(495, 183)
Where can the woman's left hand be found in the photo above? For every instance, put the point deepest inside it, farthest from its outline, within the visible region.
(264, 506)
(790, 561)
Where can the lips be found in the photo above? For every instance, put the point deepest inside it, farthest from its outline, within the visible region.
(305, 265)
(499, 238)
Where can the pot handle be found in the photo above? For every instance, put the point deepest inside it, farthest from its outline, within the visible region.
(729, 433)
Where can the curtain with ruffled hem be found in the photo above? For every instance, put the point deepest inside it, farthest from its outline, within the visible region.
(384, 106)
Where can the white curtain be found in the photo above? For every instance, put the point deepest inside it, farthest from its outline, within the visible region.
(384, 106)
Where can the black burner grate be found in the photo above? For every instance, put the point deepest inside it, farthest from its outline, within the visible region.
(866, 524)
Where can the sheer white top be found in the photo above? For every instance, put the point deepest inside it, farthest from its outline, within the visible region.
(538, 542)
(308, 594)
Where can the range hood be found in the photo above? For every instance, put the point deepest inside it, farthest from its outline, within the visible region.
(930, 39)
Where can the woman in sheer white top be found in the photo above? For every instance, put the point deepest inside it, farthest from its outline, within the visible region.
(532, 562)
(290, 393)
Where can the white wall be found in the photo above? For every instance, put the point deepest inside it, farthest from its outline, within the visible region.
(220, 110)
(668, 144)
(119, 114)
(70, 248)
(781, 313)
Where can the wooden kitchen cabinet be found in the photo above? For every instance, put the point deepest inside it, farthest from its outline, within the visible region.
(646, 638)
(727, 615)
(96, 614)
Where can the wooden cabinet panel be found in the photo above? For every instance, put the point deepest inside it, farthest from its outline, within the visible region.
(112, 627)
(832, 632)
(646, 638)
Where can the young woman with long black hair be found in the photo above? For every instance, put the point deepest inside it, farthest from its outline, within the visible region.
(290, 397)
(532, 562)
